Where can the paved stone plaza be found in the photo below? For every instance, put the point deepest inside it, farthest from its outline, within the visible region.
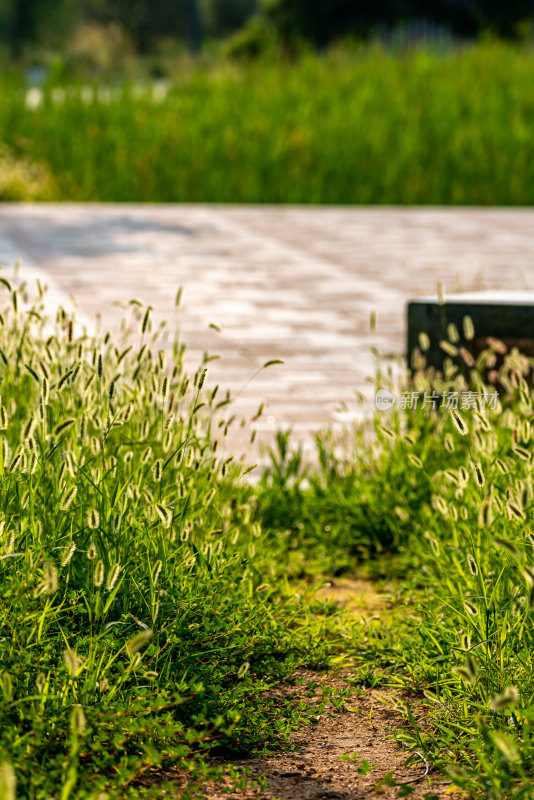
(296, 283)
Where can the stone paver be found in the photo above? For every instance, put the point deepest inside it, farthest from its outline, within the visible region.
(297, 283)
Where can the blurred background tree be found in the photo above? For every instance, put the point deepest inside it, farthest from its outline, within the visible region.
(321, 21)
(26, 23)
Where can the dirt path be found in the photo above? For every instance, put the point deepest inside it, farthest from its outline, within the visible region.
(345, 754)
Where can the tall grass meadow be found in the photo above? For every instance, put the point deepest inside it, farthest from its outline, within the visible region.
(353, 126)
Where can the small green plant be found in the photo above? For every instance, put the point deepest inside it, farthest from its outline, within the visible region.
(351, 758)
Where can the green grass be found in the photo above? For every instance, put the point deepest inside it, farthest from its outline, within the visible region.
(151, 599)
(138, 628)
(347, 127)
(454, 497)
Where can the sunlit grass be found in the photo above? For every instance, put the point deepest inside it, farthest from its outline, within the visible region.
(449, 493)
(363, 127)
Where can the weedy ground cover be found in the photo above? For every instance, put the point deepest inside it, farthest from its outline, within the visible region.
(451, 491)
(361, 126)
(137, 625)
(151, 599)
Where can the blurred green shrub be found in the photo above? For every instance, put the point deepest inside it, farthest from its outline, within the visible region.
(23, 179)
(96, 48)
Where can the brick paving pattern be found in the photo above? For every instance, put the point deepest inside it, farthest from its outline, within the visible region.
(296, 283)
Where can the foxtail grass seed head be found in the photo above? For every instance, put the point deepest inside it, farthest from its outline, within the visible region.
(93, 519)
(448, 443)
(138, 641)
(459, 422)
(415, 460)
(40, 682)
(477, 472)
(145, 326)
(165, 388)
(434, 544)
(165, 515)
(10, 543)
(506, 545)
(189, 456)
(468, 672)
(243, 669)
(202, 379)
(167, 441)
(30, 427)
(500, 702)
(156, 573)
(72, 662)
(147, 455)
(92, 551)
(402, 513)
(502, 466)
(68, 552)
(485, 514)
(467, 357)
(530, 598)
(157, 470)
(514, 512)
(3, 418)
(8, 781)
(32, 446)
(16, 463)
(470, 608)
(169, 421)
(184, 386)
(469, 328)
(50, 582)
(466, 641)
(100, 367)
(387, 431)
(452, 333)
(463, 476)
(98, 575)
(424, 341)
(506, 746)
(6, 687)
(77, 720)
(472, 564)
(112, 577)
(45, 391)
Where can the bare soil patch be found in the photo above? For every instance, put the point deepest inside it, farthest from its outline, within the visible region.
(319, 767)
